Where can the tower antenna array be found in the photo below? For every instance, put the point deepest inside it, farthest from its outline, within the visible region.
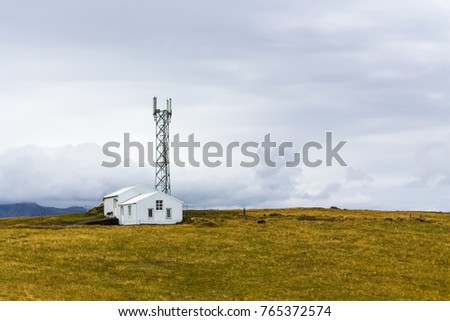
(162, 119)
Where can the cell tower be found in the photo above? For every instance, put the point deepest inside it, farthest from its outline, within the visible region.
(162, 119)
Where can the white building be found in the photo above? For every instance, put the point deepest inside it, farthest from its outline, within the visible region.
(141, 204)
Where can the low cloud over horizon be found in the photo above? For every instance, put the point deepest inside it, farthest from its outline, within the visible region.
(77, 74)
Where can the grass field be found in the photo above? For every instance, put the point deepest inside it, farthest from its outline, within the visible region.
(295, 254)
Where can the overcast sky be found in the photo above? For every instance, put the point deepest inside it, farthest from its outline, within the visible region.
(77, 74)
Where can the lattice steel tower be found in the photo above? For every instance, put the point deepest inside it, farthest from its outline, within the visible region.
(162, 119)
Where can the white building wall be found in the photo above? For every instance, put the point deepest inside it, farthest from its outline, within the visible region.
(140, 210)
(159, 216)
(126, 218)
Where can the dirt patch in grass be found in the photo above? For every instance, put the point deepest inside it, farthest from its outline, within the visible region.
(203, 222)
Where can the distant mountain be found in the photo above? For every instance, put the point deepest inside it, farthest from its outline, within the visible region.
(33, 209)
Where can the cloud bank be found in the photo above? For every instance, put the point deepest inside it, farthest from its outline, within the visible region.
(76, 74)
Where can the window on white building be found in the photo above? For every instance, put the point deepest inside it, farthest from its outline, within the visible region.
(150, 213)
(159, 205)
(168, 213)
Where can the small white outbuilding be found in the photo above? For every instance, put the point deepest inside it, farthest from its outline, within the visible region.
(111, 201)
(141, 204)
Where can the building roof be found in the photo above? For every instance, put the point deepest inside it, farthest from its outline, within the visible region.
(138, 198)
(126, 189)
(141, 197)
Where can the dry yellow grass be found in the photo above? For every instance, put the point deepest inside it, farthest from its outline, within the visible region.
(297, 254)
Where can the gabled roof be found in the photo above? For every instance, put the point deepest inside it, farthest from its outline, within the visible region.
(126, 189)
(141, 197)
(138, 198)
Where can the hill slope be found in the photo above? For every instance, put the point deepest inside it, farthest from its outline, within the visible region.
(33, 209)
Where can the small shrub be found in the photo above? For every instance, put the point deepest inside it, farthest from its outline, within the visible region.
(203, 222)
